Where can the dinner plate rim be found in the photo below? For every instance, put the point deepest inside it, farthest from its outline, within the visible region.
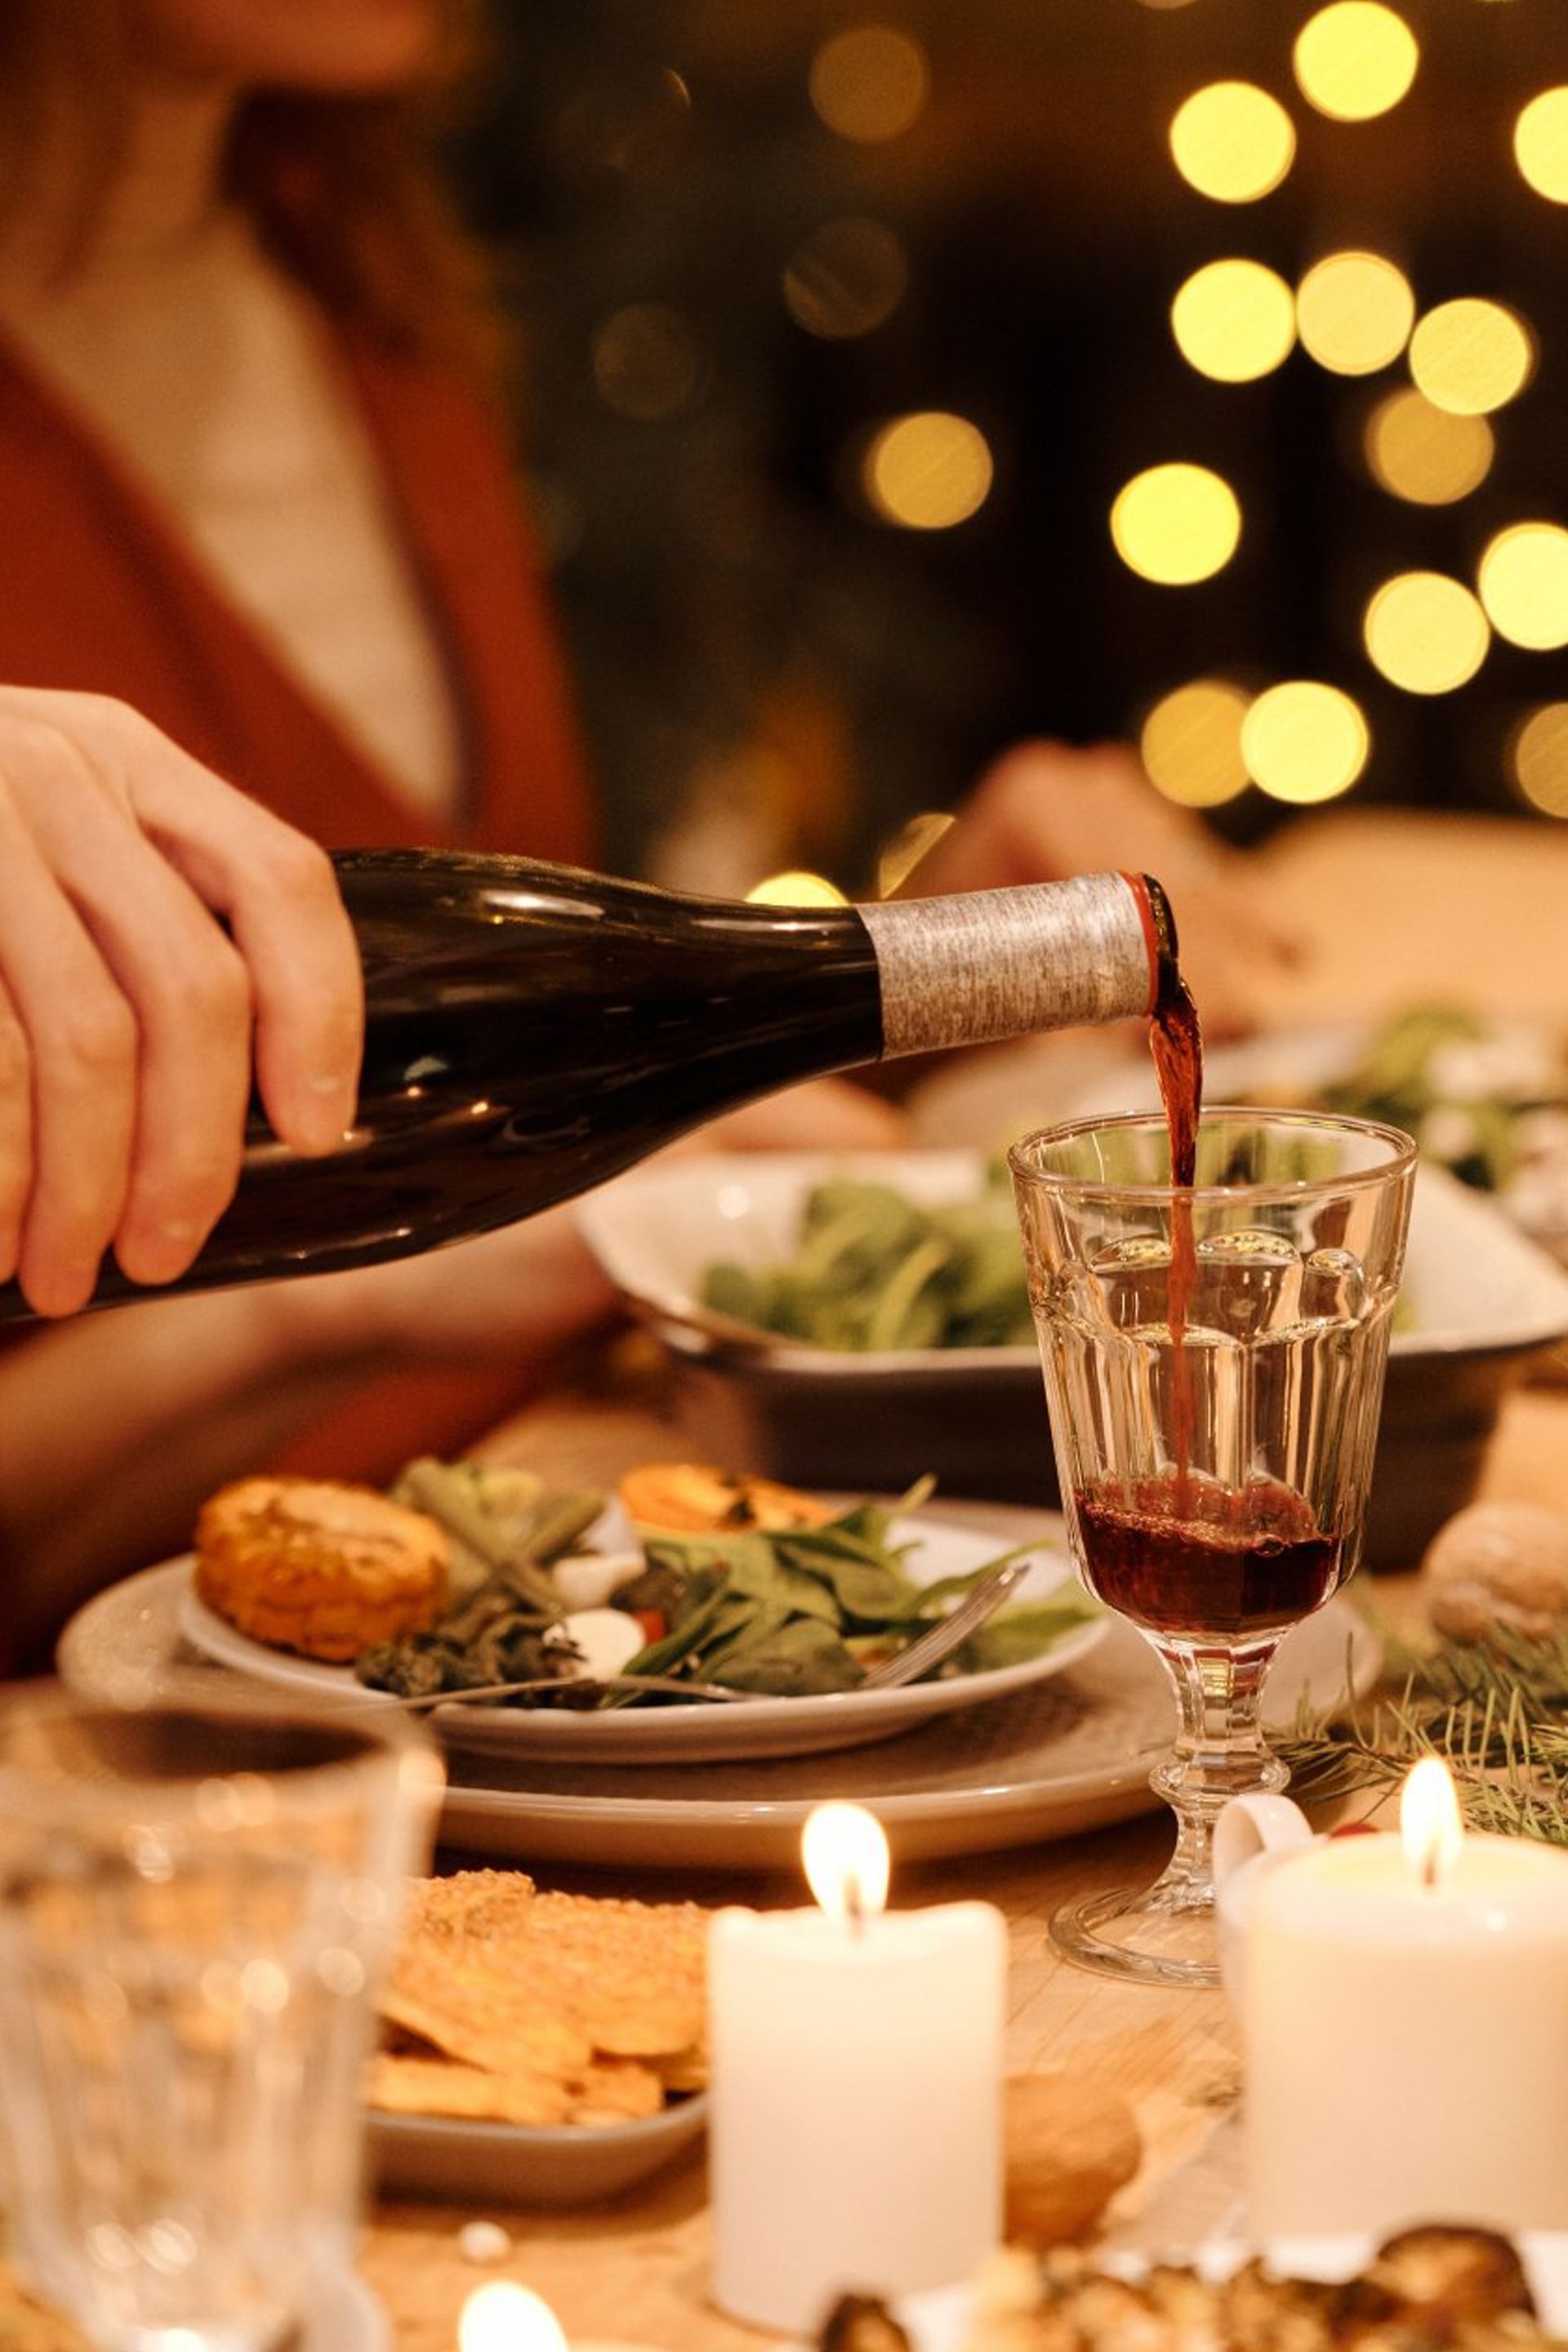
(891, 1807)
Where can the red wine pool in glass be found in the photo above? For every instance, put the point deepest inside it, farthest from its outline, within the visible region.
(1177, 1553)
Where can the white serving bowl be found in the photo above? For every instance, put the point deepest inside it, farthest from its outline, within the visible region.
(1486, 1304)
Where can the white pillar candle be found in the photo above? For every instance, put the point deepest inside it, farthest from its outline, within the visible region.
(1404, 2012)
(857, 2067)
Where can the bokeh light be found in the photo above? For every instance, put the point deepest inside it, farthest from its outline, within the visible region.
(644, 361)
(1523, 584)
(1354, 312)
(1426, 632)
(1190, 743)
(797, 888)
(1176, 524)
(1541, 144)
(1233, 141)
(1536, 759)
(869, 83)
(1233, 320)
(1304, 741)
(1471, 356)
(927, 471)
(1355, 59)
(845, 278)
(1425, 455)
(906, 849)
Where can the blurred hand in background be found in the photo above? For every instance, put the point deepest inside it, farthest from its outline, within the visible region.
(1045, 810)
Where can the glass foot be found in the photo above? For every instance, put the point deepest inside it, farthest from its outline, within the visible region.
(1162, 1933)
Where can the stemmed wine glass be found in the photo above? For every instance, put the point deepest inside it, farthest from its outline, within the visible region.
(1213, 1358)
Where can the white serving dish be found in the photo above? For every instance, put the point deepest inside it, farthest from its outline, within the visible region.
(1486, 1303)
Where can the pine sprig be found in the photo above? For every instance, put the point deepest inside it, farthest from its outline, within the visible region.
(1495, 1712)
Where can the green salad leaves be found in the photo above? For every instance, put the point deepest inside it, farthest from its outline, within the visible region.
(872, 1270)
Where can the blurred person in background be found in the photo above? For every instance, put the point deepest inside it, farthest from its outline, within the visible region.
(256, 484)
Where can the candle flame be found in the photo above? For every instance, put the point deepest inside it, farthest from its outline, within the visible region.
(845, 1854)
(1429, 1822)
(502, 2317)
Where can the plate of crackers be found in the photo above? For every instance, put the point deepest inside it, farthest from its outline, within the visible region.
(537, 2048)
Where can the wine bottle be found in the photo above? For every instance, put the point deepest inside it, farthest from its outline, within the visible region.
(532, 1030)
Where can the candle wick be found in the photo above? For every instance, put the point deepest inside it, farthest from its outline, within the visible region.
(854, 1905)
(1429, 1868)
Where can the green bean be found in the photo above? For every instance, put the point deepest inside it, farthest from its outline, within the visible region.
(447, 1496)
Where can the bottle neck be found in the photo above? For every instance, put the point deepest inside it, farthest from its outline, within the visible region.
(979, 966)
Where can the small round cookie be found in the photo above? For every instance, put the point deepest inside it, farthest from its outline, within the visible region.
(1499, 1566)
(693, 1498)
(318, 1566)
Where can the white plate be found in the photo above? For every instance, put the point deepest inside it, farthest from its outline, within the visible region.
(1071, 1754)
(507, 2163)
(665, 1734)
(938, 2322)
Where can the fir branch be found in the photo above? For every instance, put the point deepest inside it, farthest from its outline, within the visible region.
(1495, 1712)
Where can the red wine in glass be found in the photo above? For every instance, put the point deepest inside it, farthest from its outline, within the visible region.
(1191, 1556)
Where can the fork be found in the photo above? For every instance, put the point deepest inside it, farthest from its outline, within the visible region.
(906, 1667)
(949, 1631)
(583, 1686)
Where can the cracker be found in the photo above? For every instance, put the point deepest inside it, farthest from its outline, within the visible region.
(480, 2017)
(592, 2007)
(404, 2085)
(617, 2091)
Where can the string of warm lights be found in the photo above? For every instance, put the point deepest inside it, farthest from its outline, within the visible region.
(1414, 378)
(1430, 443)
(1354, 313)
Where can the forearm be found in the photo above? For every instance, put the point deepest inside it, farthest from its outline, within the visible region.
(114, 1428)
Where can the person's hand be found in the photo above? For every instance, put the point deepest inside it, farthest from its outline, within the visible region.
(1044, 811)
(129, 1015)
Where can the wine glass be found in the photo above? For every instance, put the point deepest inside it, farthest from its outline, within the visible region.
(1214, 1360)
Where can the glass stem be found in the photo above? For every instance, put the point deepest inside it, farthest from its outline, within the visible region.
(1219, 1752)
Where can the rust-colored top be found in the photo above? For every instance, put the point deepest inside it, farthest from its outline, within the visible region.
(99, 593)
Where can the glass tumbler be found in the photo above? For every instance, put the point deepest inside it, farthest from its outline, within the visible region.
(1213, 1358)
(196, 1904)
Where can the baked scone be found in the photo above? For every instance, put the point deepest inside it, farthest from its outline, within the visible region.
(318, 1566)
